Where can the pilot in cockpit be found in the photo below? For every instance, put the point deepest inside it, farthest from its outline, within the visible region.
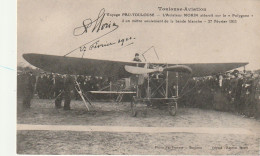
(137, 59)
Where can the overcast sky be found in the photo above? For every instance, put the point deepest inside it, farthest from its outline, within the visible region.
(46, 27)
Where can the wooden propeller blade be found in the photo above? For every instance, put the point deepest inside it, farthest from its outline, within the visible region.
(139, 70)
(178, 68)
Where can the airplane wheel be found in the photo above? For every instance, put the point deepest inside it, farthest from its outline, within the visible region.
(172, 108)
(133, 107)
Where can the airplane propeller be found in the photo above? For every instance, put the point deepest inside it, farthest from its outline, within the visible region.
(143, 70)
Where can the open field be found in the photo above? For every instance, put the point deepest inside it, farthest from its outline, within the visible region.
(109, 114)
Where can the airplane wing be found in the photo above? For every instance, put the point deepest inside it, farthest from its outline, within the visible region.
(78, 66)
(116, 69)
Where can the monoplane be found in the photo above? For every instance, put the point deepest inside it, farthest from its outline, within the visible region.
(153, 80)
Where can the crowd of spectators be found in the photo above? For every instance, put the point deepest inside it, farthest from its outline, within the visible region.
(49, 86)
(237, 92)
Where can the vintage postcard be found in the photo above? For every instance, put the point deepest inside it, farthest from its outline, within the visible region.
(131, 77)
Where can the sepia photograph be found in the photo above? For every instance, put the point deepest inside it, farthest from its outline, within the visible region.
(129, 77)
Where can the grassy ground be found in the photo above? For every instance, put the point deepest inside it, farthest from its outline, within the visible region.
(60, 142)
(113, 114)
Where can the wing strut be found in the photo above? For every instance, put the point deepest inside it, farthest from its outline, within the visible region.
(148, 50)
(83, 96)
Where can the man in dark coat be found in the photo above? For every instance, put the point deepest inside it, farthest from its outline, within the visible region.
(66, 93)
(58, 84)
(256, 93)
(238, 91)
(29, 83)
(45, 86)
(39, 86)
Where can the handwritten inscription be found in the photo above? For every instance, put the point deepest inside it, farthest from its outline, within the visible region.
(98, 44)
(95, 26)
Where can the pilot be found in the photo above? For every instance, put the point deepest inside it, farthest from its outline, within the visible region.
(140, 86)
(137, 59)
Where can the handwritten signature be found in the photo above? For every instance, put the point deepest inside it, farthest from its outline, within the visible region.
(94, 26)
